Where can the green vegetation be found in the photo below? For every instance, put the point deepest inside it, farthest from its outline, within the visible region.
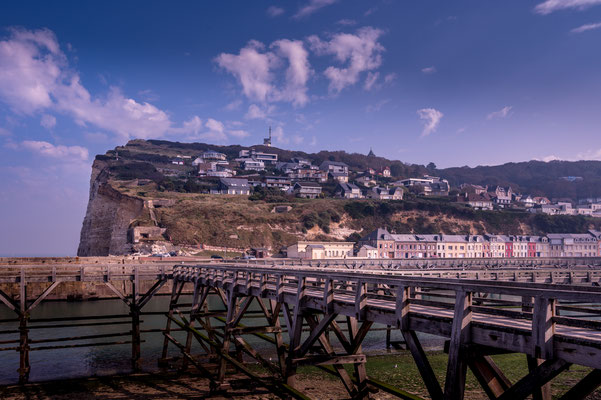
(399, 370)
(243, 222)
(135, 170)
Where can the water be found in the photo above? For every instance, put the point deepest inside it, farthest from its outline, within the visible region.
(107, 360)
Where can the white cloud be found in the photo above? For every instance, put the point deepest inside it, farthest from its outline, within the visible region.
(30, 65)
(254, 67)
(360, 52)
(502, 113)
(193, 125)
(274, 11)
(234, 105)
(389, 78)
(48, 121)
(279, 136)
(370, 11)
(35, 76)
(215, 126)
(5, 132)
(297, 73)
(347, 22)
(432, 119)
(589, 155)
(66, 153)
(313, 6)
(256, 112)
(429, 70)
(550, 158)
(148, 95)
(586, 27)
(549, 6)
(313, 141)
(370, 81)
(297, 139)
(377, 107)
(238, 133)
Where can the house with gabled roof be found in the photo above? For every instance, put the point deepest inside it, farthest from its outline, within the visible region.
(307, 190)
(237, 186)
(348, 191)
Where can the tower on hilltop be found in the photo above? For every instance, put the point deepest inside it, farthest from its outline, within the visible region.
(371, 153)
(267, 141)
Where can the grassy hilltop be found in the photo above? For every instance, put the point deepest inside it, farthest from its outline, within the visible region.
(143, 170)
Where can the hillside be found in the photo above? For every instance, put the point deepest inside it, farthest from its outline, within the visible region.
(535, 177)
(127, 182)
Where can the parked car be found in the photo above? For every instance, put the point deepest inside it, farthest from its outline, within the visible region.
(216, 257)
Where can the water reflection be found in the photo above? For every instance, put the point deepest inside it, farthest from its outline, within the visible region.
(108, 360)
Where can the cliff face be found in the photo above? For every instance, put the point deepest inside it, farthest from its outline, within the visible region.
(108, 217)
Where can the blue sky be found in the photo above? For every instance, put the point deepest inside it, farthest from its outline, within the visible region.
(465, 82)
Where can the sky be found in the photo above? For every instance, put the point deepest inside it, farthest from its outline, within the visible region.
(456, 83)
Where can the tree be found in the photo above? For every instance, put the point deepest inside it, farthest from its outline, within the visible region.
(431, 166)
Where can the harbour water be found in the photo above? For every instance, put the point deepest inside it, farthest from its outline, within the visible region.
(107, 360)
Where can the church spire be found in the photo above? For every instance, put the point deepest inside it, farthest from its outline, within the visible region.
(371, 153)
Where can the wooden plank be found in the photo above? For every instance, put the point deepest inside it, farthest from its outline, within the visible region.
(329, 350)
(10, 303)
(325, 359)
(42, 296)
(315, 334)
(460, 335)
(542, 392)
(151, 292)
(402, 307)
(117, 292)
(543, 327)
(535, 379)
(490, 377)
(423, 365)
(584, 387)
(328, 296)
(360, 300)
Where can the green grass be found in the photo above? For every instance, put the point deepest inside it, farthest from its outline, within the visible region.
(399, 370)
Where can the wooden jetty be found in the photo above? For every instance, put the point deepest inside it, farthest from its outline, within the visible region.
(547, 312)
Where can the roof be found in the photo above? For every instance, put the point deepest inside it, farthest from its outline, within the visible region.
(348, 187)
(234, 182)
(308, 184)
(475, 197)
(378, 234)
(368, 247)
(337, 163)
(453, 238)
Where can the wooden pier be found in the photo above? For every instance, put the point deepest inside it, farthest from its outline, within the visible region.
(547, 312)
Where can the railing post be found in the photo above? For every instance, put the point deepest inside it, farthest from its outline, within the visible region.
(23, 331)
(328, 296)
(543, 327)
(360, 300)
(460, 335)
(135, 322)
(402, 307)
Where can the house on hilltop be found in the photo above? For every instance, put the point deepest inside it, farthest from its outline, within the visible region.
(336, 170)
(307, 190)
(237, 186)
(348, 191)
(380, 193)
